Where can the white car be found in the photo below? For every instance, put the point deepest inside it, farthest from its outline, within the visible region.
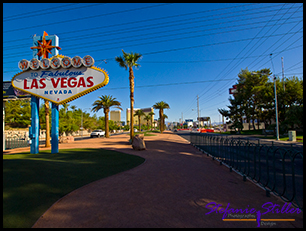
(97, 133)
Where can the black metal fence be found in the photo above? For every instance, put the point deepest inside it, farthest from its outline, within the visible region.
(276, 169)
(11, 143)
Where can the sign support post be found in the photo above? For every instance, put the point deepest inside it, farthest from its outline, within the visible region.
(34, 129)
(54, 129)
(3, 125)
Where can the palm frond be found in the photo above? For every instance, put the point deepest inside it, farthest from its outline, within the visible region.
(161, 105)
(121, 62)
(128, 59)
(105, 102)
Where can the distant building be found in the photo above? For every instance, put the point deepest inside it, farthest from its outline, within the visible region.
(142, 120)
(115, 116)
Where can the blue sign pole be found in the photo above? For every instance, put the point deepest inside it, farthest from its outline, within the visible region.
(34, 129)
(55, 113)
(54, 129)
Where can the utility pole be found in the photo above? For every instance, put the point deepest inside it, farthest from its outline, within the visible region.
(283, 74)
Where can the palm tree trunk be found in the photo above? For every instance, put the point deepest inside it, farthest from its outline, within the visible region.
(139, 123)
(131, 78)
(161, 116)
(47, 124)
(106, 112)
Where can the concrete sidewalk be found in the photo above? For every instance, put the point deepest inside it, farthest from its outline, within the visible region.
(170, 189)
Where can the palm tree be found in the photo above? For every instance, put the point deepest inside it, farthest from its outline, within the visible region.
(65, 105)
(105, 102)
(164, 117)
(151, 114)
(139, 113)
(154, 122)
(161, 106)
(73, 107)
(148, 118)
(47, 114)
(129, 61)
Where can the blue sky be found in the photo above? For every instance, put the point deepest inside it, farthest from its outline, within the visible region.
(188, 49)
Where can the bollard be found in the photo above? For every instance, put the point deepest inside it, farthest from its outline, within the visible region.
(292, 135)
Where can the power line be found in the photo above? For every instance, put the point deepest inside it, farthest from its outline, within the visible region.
(250, 48)
(266, 51)
(148, 27)
(163, 36)
(112, 59)
(158, 18)
(140, 44)
(212, 44)
(35, 11)
(284, 49)
(213, 96)
(166, 84)
(276, 13)
(35, 14)
(221, 89)
(129, 31)
(89, 17)
(182, 22)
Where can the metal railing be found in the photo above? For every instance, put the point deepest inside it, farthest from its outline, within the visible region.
(276, 169)
(11, 143)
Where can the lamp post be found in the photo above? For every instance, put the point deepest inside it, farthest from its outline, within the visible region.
(276, 110)
(275, 97)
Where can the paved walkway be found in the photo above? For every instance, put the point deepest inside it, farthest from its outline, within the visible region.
(170, 189)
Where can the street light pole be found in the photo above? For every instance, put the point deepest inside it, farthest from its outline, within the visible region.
(276, 110)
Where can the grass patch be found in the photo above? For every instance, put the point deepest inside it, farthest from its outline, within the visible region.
(155, 131)
(148, 133)
(258, 133)
(33, 182)
(298, 138)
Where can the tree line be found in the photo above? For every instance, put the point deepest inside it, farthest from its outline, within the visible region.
(254, 99)
(18, 115)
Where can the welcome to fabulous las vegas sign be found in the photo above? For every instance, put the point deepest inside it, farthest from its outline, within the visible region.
(59, 79)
